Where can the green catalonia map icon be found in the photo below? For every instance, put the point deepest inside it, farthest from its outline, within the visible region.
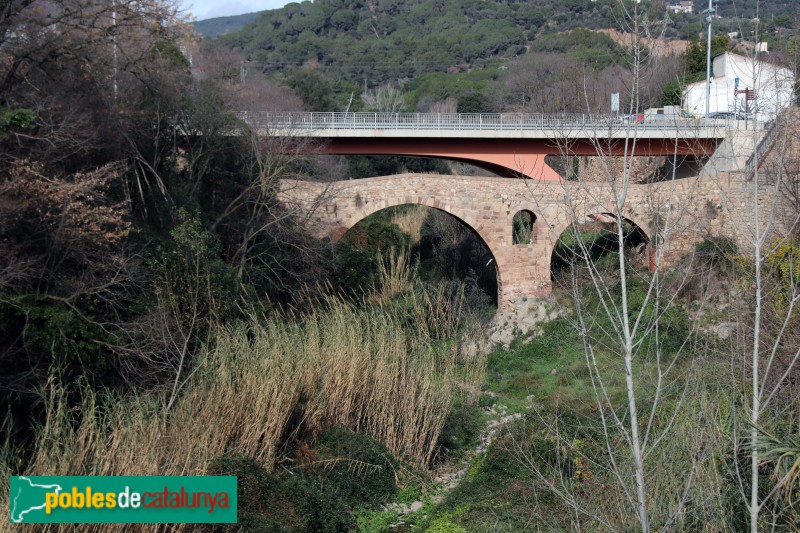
(27, 499)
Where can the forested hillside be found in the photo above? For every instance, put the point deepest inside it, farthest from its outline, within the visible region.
(476, 57)
(379, 41)
(389, 40)
(220, 25)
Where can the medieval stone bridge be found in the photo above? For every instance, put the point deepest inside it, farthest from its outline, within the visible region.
(688, 210)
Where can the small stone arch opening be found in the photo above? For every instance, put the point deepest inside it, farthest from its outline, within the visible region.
(523, 228)
(596, 239)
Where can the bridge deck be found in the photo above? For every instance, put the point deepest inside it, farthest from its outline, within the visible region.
(486, 126)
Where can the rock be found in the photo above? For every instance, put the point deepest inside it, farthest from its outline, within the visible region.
(416, 506)
(504, 337)
(473, 344)
(523, 318)
(722, 330)
(554, 372)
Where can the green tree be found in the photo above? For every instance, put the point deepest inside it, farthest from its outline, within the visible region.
(695, 67)
(695, 55)
(313, 88)
(473, 103)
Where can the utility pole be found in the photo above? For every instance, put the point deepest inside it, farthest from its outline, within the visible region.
(709, 17)
(114, 45)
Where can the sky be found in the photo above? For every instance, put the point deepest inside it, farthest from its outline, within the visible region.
(204, 9)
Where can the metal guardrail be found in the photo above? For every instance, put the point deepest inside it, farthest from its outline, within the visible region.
(763, 147)
(470, 121)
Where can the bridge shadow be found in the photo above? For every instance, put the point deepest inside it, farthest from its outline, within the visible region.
(597, 241)
(642, 169)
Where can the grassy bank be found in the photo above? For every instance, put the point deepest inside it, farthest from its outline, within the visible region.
(565, 463)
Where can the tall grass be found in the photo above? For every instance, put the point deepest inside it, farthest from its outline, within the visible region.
(255, 384)
(437, 312)
(396, 275)
(410, 219)
(368, 373)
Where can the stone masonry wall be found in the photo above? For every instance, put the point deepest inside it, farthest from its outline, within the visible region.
(674, 215)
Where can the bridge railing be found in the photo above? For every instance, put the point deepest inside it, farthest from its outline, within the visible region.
(764, 145)
(468, 121)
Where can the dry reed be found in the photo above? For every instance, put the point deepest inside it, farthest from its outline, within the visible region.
(396, 275)
(350, 366)
(410, 220)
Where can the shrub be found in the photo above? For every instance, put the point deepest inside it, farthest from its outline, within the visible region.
(50, 328)
(294, 503)
(444, 525)
(716, 251)
(461, 430)
(368, 521)
(349, 471)
(361, 471)
(189, 271)
(15, 118)
(409, 494)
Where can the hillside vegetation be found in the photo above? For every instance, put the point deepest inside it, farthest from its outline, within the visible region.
(533, 56)
(221, 25)
(381, 41)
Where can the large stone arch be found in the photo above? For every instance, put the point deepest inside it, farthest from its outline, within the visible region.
(468, 219)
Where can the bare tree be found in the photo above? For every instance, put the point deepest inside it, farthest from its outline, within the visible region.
(387, 98)
(768, 313)
(641, 359)
(626, 320)
(74, 62)
(555, 83)
(429, 105)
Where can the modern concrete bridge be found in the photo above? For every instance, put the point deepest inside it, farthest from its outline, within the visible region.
(508, 144)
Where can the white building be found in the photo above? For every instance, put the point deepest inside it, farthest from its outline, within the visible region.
(733, 78)
(682, 7)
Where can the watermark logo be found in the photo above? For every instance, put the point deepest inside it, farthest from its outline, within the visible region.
(122, 499)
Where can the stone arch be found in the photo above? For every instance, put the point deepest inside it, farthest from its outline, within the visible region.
(464, 217)
(642, 229)
(524, 230)
(635, 219)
